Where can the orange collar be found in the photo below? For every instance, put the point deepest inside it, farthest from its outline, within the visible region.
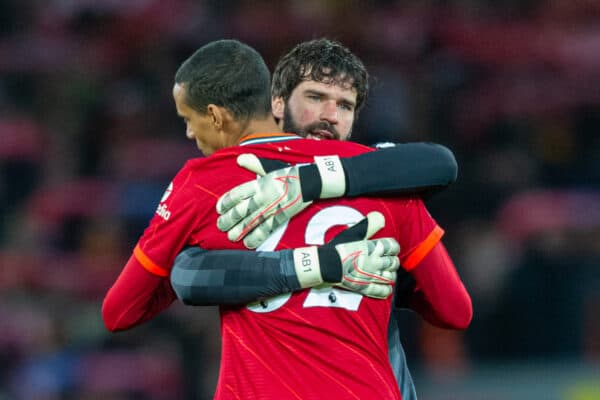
(259, 138)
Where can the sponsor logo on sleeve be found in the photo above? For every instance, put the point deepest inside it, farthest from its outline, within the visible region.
(167, 193)
(162, 210)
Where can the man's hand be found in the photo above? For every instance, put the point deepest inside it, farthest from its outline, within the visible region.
(352, 261)
(253, 210)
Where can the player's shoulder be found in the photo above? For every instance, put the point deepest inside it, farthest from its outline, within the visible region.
(348, 148)
(201, 170)
(217, 159)
(405, 209)
(302, 149)
(407, 200)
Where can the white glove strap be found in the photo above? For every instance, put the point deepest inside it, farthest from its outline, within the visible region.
(333, 177)
(306, 263)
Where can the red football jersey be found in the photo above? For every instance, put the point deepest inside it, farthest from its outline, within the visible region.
(313, 344)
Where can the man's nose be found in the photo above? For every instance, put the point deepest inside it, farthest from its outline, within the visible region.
(329, 112)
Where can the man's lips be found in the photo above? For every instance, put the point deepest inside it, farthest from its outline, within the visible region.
(321, 134)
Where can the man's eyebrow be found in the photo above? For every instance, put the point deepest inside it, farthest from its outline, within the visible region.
(350, 102)
(323, 94)
(314, 91)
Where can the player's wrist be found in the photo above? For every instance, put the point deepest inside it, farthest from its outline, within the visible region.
(324, 179)
(310, 182)
(331, 264)
(333, 177)
(307, 266)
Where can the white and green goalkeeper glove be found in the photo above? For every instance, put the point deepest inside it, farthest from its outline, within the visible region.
(253, 210)
(352, 261)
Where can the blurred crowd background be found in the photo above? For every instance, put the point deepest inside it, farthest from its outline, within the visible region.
(89, 140)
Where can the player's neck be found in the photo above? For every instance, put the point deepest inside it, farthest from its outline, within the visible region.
(266, 125)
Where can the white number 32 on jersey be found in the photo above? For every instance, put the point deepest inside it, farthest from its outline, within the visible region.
(326, 296)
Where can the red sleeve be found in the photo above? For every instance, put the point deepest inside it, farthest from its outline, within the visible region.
(143, 288)
(440, 296)
(135, 297)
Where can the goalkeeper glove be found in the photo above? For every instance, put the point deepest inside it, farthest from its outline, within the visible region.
(253, 210)
(351, 261)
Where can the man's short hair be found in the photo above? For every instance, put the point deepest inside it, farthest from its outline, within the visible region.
(320, 60)
(229, 74)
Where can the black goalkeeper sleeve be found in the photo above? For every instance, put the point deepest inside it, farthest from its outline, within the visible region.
(421, 168)
(396, 169)
(236, 277)
(232, 277)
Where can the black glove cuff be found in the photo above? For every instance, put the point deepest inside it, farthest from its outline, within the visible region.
(310, 182)
(331, 265)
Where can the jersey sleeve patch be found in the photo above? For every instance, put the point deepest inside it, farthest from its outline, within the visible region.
(418, 253)
(148, 264)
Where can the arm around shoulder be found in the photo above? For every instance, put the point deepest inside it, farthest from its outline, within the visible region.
(423, 168)
(231, 277)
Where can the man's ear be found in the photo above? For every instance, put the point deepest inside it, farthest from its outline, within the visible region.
(218, 115)
(278, 107)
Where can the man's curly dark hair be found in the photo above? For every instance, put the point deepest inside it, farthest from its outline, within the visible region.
(320, 60)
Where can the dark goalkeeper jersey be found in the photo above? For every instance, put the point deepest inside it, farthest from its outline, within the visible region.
(315, 343)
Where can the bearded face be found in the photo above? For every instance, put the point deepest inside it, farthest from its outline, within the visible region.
(318, 110)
